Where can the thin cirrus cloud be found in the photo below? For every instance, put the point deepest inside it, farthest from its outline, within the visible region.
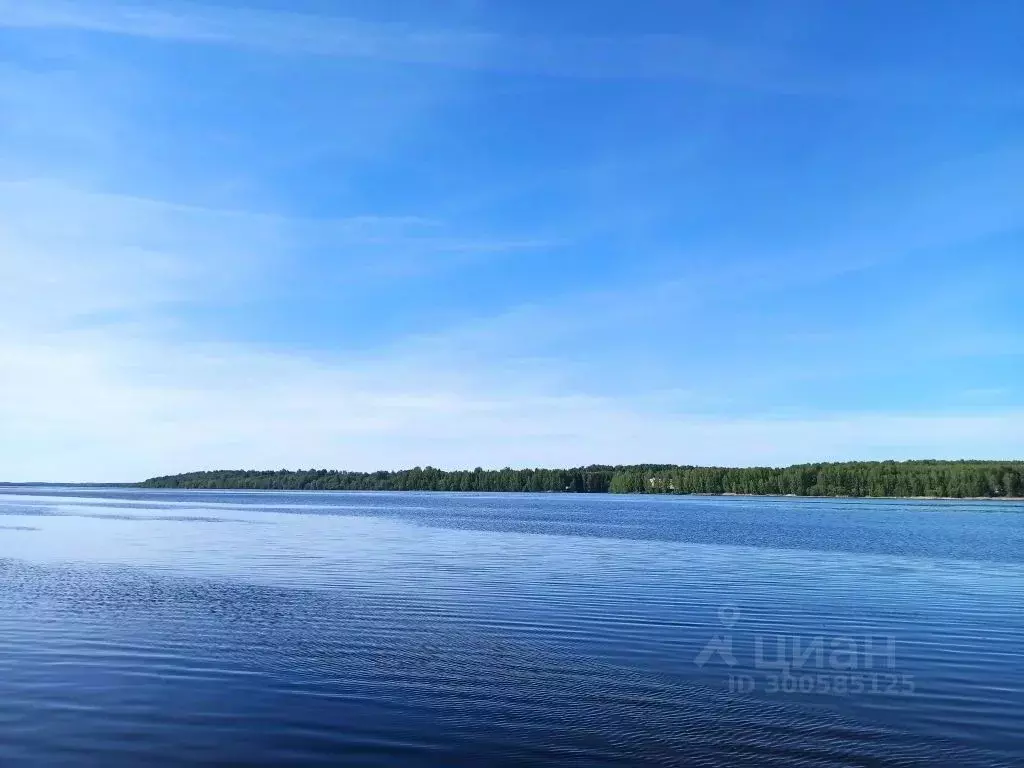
(71, 252)
(278, 31)
(307, 34)
(760, 67)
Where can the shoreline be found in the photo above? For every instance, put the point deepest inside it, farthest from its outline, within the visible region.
(812, 496)
(601, 493)
(726, 495)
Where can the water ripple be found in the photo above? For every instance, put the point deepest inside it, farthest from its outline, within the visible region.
(132, 632)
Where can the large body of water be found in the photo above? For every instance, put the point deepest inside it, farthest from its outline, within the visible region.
(226, 628)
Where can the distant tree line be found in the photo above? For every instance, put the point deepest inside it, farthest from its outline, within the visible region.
(594, 479)
(958, 479)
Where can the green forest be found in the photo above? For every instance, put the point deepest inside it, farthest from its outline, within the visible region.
(958, 479)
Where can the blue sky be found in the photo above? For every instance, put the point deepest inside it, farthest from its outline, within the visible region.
(373, 235)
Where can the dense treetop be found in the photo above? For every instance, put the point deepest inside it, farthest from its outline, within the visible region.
(959, 479)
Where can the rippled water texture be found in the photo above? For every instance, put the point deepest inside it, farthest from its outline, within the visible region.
(220, 628)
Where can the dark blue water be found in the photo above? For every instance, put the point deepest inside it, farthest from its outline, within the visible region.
(219, 628)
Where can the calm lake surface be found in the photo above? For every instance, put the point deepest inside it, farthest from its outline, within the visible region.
(373, 629)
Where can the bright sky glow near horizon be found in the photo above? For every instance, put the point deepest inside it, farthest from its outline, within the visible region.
(364, 235)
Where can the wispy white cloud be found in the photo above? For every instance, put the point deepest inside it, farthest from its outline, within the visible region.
(951, 206)
(758, 66)
(67, 253)
(280, 31)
